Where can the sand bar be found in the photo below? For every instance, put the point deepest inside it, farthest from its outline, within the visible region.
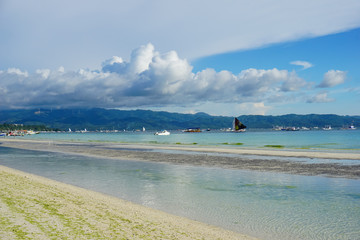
(33, 207)
(189, 155)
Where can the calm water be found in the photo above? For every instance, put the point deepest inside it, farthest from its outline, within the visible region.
(265, 205)
(336, 139)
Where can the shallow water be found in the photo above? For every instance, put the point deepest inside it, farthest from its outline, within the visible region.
(265, 205)
(313, 140)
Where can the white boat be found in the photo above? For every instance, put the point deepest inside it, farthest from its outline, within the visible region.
(238, 126)
(31, 132)
(327, 128)
(162, 133)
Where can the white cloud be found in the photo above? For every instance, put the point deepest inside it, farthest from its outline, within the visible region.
(111, 61)
(293, 83)
(333, 78)
(257, 108)
(149, 79)
(44, 73)
(304, 64)
(61, 69)
(320, 98)
(16, 71)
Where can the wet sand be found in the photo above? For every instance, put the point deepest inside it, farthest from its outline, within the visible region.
(205, 156)
(33, 207)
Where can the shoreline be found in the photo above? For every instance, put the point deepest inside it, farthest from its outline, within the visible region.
(39, 208)
(203, 156)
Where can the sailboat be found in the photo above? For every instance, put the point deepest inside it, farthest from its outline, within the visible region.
(238, 126)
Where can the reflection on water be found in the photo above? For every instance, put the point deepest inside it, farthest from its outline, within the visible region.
(265, 205)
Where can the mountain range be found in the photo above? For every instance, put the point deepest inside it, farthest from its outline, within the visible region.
(112, 119)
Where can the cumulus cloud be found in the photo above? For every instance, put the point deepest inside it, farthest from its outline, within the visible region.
(293, 83)
(320, 98)
(251, 108)
(149, 79)
(303, 64)
(332, 78)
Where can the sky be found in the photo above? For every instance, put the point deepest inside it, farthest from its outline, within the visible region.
(227, 58)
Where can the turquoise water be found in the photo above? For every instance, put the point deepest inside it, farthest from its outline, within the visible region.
(313, 140)
(261, 204)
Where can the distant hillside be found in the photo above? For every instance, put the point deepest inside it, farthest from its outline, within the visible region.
(97, 119)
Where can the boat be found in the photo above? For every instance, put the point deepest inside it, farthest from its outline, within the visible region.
(290, 129)
(192, 130)
(31, 132)
(278, 128)
(327, 128)
(238, 126)
(143, 129)
(162, 133)
(351, 127)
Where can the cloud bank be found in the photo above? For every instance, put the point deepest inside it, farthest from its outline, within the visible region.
(149, 79)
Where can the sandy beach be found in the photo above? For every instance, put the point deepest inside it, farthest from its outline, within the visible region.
(33, 207)
(261, 159)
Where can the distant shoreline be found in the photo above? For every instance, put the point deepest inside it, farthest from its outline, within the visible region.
(203, 156)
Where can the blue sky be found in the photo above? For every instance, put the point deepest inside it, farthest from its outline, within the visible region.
(223, 58)
(334, 51)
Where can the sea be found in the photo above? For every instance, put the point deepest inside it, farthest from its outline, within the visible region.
(257, 203)
(348, 140)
